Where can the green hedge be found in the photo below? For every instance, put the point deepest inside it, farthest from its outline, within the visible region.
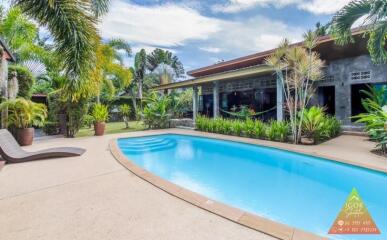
(274, 130)
(327, 127)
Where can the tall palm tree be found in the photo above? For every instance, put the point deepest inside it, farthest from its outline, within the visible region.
(159, 56)
(109, 66)
(72, 24)
(140, 61)
(22, 37)
(375, 13)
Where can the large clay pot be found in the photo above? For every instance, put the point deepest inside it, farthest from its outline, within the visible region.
(307, 140)
(99, 128)
(25, 136)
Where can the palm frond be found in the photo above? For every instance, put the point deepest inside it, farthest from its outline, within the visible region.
(377, 44)
(73, 29)
(99, 7)
(344, 19)
(120, 44)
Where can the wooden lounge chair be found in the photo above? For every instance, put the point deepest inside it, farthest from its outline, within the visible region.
(13, 153)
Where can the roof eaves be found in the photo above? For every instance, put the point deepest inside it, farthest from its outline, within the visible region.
(7, 50)
(321, 39)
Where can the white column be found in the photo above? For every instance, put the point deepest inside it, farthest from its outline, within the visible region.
(195, 102)
(4, 87)
(216, 99)
(280, 100)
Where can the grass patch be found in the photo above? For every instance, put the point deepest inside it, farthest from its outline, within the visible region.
(114, 127)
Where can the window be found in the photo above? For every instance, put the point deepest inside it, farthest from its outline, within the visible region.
(361, 76)
(328, 78)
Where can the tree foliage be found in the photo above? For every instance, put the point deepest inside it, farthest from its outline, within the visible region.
(25, 80)
(24, 113)
(375, 13)
(160, 56)
(297, 68)
(72, 24)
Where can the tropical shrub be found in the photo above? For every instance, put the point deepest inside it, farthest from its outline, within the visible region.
(376, 125)
(125, 113)
(156, 113)
(182, 102)
(25, 80)
(318, 126)
(88, 121)
(75, 112)
(100, 113)
(51, 128)
(332, 127)
(375, 119)
(277, 131)
(249, 128)
(23, 113)
(313, 122)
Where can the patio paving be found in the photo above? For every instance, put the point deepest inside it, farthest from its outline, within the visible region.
(94, 197)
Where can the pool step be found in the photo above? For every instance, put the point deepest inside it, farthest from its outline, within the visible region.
(141, 144)
(137, 148)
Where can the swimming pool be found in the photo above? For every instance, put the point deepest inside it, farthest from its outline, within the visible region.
(298, 190)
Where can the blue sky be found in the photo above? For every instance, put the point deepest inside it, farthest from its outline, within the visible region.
(201, 33)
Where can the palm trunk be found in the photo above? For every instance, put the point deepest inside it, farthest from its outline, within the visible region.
(134, 102)
(140, 92)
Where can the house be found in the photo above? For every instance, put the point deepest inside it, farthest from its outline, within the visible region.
(6, 56)
(248, 81)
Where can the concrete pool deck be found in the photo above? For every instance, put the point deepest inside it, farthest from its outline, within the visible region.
(94, 197)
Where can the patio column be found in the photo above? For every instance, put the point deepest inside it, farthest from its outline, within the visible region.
(3, 87)
(195, 102)
(280, 100)
(216, 99)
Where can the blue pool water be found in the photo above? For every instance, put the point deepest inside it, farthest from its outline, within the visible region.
(298, 190)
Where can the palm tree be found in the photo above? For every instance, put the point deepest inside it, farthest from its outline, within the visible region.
(140, 61)
(375, 13)
(297, 67)
(109, 66)
(21, 36)
(159, 56)
(72, 24)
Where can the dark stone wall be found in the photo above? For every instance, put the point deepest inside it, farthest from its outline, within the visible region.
(345, 72)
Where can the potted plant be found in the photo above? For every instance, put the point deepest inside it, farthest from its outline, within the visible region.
(100, 114)
(23, 114)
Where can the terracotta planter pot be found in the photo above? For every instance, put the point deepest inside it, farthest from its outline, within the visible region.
(99, 128)
(25, 136)
(307, 141)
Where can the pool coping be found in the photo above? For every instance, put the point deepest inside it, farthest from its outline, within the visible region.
(244, 218)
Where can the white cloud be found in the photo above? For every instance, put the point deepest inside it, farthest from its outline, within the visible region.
(254, 35)
(313, 6)
(161, 25)
(211, 49)
(234, 6)
(168, 26)
(323, 6)
(149, 49)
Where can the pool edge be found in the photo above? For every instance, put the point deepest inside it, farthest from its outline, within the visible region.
(261, 224)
